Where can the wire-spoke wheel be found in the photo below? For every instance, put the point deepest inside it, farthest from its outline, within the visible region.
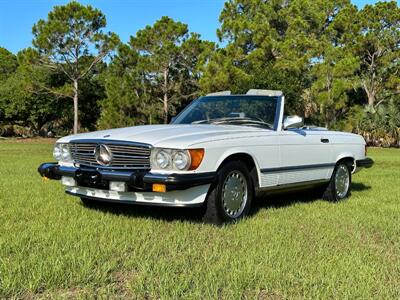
(230, 198)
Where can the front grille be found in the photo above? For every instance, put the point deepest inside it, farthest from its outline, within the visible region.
(125, 155)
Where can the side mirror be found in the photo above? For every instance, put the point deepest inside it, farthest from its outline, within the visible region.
(293, 122)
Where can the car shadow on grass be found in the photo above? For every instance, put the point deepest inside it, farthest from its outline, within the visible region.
(193, 215)
(286, 199)
(168, 214)
(359, 187)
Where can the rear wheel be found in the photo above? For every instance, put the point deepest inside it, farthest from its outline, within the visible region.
(230, 198)
(339, 185)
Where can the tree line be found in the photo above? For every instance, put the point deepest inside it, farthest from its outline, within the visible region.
(337, 65)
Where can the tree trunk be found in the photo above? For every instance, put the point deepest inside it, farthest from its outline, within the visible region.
(370, 85)
(371, 99)
(76, 123)
(165, 96)
(370, 94)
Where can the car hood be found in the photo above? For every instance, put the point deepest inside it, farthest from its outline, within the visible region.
(178, 136)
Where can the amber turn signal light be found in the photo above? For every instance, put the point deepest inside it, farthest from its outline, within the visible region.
(196, 156)
(160, 188)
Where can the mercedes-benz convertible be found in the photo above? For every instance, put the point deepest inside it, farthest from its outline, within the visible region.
(219, 153)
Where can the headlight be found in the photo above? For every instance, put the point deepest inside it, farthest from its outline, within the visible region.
(57, 152)
(163, 159)
(61, 152)
(181, 160)
(176, 159)
(66, 155)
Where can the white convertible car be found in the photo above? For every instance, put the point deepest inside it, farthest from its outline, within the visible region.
(218, 153)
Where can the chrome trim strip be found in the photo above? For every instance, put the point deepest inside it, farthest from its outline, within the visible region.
(301, 184)
(278, 114)
(297, 168)
(260, 92)
(222, 93)
(110, 142)
(111, 168)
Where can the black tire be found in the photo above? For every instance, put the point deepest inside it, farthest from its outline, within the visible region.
(331, 192)
(214, 210)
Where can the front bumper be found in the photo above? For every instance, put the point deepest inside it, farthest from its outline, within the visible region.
(191, 197)
(136, 180)
(364, 163)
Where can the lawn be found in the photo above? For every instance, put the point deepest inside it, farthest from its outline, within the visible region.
(293, 246)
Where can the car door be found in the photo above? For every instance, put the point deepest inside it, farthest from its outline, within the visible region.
(266, 151)
(305, 156)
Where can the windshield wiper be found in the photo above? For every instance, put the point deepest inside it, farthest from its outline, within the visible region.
(202, 121)
(243, 121)
(236, 120)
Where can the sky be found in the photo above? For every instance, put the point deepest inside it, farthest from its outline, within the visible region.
(124, 17)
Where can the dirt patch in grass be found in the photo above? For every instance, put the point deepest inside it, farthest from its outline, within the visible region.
(120, 283)
(265, 295)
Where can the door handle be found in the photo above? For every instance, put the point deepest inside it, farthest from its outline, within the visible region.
(324, 140)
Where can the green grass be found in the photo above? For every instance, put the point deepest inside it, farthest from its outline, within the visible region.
(291, 247)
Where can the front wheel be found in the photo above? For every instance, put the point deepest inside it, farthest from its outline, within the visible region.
(230, 198)
(339, 185)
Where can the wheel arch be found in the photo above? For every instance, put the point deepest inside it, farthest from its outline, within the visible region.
(348, 157)
(245, 157)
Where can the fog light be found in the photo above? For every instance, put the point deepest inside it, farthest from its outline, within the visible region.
(160, 188)
(117, 186)
(68, 181)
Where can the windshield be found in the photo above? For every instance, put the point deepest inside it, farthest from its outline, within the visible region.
(237, 110)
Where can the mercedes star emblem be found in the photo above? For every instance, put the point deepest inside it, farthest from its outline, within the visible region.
(103, 155)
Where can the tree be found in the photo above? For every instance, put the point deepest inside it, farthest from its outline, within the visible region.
(334, 69)
(194, 56)
(21, 105)
(275, 42)
(168, 58)
(71, 32)
(154, 75)
(24, 102)
(127, 100)
(333, 78)
(377, 45)
(223, 72)
(8, 63)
